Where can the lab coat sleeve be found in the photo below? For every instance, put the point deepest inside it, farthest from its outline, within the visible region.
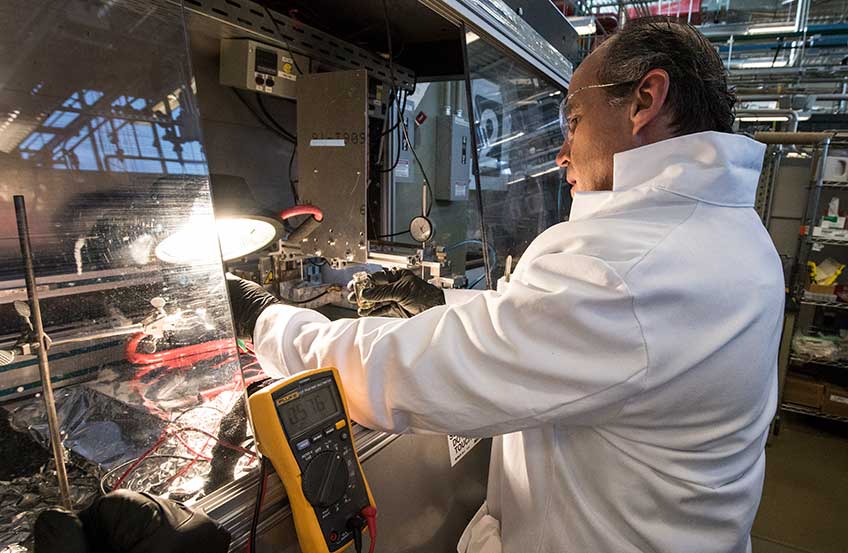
(458, 296)
(562, 347)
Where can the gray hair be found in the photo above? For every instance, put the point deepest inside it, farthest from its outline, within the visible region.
(698, 96)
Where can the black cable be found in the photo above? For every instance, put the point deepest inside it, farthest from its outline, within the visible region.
(288, 48)
(394, 163)
(292, 136)
(394, 234)
(355, 524)
(257, 507)
(400, 111)
(293, 182)
(393, 97)
(400, 139)
(259, 118)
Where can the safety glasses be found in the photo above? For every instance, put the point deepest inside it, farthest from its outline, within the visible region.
(563, 107)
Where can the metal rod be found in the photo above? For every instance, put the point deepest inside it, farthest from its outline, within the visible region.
(775, 169)
(43, 365)
(424, 199)
(766, 97)
(729, 51)
(793, 137)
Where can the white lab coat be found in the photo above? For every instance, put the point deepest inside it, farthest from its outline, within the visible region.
(627, 370)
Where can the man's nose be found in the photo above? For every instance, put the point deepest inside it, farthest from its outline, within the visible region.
(563, 158)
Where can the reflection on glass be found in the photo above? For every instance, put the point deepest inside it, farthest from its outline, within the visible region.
(518, 137)
(99, 131)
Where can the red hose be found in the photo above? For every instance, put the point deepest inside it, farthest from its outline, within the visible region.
(171, 355)
(304, 209)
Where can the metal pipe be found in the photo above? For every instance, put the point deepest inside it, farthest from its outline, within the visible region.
(793, 137)
(765, 97)
(842, 103)
(43, 364)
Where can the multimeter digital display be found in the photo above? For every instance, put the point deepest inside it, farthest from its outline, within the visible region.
(302, 426)
(309, 409)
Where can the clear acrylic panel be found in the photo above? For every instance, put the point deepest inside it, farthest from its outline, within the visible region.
(516, 115)
(518, 136)
(99, 131)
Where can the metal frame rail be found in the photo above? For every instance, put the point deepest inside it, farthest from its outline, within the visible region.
(245, 16)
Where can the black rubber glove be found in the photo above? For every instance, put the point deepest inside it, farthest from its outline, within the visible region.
(398, 293)
(129, 522)
(248, 300)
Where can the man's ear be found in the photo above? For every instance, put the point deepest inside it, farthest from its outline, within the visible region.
(649, 99)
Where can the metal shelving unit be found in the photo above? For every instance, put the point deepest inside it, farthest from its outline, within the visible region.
(828, 304)
(819, 146)
(829, 241)
(800, 409)
(796, 360)
(834, 184)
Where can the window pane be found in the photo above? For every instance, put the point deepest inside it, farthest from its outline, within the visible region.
(144, 362)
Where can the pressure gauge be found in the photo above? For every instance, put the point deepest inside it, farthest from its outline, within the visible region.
(421, 229)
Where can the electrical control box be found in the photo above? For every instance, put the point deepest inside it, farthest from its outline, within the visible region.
(257, 67)
(453, 152)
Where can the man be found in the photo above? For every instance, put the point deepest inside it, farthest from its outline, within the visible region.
(627, 372)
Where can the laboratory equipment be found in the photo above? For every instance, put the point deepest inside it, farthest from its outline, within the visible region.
(302, 425)
(125, 142)
(257, 67)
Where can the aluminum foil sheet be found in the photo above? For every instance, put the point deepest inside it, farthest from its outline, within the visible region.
(23, 498)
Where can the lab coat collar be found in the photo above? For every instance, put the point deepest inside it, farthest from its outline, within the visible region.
(712, 167)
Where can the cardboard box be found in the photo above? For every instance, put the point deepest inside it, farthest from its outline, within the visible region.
(835, 401)
(803, 390)
(822, 288)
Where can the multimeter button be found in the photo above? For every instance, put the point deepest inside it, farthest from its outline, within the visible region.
(343, 436)
(341, 424)
(302, 444)
(317, 437)
(329, 430)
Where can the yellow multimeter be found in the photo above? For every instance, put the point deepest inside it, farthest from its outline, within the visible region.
(302, 425)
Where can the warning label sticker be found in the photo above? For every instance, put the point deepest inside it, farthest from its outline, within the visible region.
(402, 169)
(459, 447)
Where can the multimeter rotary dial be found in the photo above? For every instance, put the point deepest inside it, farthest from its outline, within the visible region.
(325, 479)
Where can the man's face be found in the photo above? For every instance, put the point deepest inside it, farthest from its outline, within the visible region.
(595, 130)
